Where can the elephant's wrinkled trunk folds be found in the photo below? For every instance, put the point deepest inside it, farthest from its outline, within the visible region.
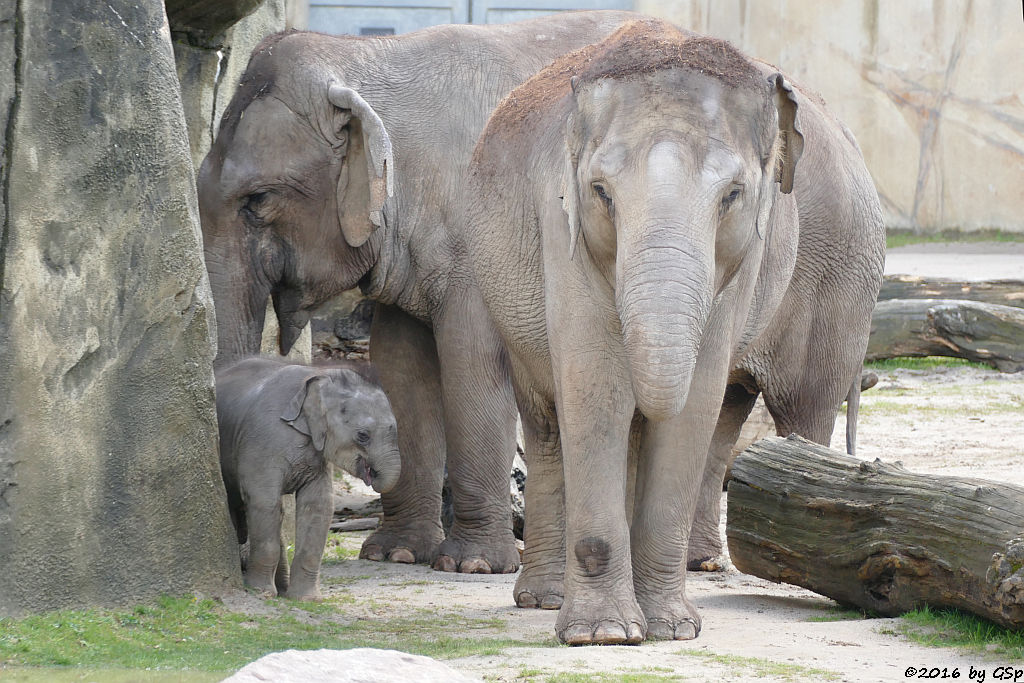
(241, 304)
(663, 296)
(387, 467)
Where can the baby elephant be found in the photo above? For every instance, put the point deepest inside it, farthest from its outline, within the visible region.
(282, 426)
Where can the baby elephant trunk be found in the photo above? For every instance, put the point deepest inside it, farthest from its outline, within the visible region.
(379, 470)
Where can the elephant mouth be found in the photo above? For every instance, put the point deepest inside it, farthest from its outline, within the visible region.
(365, 472)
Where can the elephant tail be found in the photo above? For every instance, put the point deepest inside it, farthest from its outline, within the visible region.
(852, 410)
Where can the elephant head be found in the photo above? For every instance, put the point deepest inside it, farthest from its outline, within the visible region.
(290, 194)
(350, 421)
(671, 173)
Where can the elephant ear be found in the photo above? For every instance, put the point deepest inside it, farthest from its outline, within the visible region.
(305, 413)
(364, 185)
(791, 140)
(570, 183)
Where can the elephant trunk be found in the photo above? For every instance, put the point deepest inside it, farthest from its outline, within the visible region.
(663, 296)
(240, 301)
(384, 469)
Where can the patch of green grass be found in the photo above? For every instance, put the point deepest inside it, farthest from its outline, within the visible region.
(341, 546)
(636, 677)
(765, 667)
(901, 238)
(837, 613)
(953, 628)
(921, 363)
(202, 635)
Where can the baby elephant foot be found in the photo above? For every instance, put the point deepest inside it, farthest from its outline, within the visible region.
(305, 595)
(601, 621)
(263, 589)
(667, 623)
(481, 557)
(406, 544)
(537, 589)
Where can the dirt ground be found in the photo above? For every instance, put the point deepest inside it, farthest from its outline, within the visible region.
(959, 421)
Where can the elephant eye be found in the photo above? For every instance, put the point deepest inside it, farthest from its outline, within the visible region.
(362, 437)
(254, 206)
(602, 192)
(728, 199)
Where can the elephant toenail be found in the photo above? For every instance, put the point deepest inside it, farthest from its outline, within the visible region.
(445, 563)
(609, 634)
(635, 634)
(688, 629)
(526, 600)
(374, 553)
(402, 555)
(578, 634)
(551, 602)
(475, 566)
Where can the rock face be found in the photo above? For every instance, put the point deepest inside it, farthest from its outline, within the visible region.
(110, 489)
(360, 665)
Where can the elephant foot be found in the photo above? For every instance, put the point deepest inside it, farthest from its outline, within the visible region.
(305, 595)
(539, 590)
(262, 588)
(406, 544)
(675, 619)
(478, 557)
(705, 554)
(705, 564)
(601, 619)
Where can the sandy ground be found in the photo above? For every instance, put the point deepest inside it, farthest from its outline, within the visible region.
(956, 421)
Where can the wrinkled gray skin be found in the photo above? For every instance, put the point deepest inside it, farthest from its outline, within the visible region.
(339, 162)
(282, 428)
(659, 265)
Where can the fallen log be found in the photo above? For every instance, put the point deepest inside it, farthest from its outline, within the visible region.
(875, 536)
(1002, 292)
(981, 332)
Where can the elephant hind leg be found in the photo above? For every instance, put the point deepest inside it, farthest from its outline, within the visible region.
(705, 544)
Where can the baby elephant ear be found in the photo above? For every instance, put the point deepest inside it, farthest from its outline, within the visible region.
(305, 415)
(791, 140)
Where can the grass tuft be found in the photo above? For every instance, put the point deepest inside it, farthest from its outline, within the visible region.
(188, 634)
(953, 628)
(901, 238)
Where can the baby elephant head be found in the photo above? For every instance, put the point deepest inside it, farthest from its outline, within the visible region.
(350, 421)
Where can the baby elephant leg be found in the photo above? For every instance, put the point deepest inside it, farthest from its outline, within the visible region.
(313, 510)
(263, 516)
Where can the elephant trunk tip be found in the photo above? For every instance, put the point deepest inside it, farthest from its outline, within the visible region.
(661, 402)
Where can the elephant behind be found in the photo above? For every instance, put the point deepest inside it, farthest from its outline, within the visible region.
(282, 428)
(648, 186)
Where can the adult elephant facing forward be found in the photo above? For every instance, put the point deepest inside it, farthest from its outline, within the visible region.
(667, 265)
(339, 162)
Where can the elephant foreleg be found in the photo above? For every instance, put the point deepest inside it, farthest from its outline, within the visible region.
(705, 536)
(263, 517)
(480, 418)
(405, 355)
(540, 582)
(313, 510)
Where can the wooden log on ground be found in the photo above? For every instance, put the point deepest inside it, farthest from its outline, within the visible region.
(981, 332)
(875, 536)
(1002, 292)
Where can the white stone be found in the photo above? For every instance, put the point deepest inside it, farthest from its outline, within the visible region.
(359, 665)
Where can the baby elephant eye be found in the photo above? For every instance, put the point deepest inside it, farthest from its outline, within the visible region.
(362, 437)
(602, 192)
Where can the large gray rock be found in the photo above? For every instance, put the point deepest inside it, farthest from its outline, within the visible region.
(110, 488)
(360, 665)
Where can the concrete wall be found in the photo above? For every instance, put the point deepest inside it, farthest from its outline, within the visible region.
(931, 88)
